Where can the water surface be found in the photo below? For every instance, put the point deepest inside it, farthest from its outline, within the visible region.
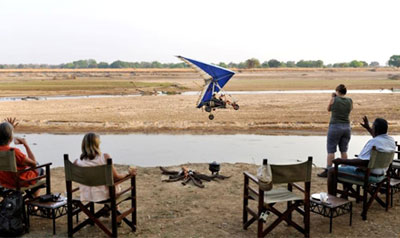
(192, 93)
(165, 150)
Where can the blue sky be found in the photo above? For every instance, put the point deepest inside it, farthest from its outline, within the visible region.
(59, 31)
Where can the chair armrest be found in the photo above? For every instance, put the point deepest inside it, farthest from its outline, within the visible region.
(33, 179)
(32, 168)
(361, 163)
(251, 177)
(298, 187)
(129, 176)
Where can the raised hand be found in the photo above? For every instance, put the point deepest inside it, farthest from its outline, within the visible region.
(12, 121)
(132, 171)
(365, 123)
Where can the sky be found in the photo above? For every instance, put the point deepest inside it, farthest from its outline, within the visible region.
(60, 31)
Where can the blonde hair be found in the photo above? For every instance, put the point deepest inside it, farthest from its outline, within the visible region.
(90, 146)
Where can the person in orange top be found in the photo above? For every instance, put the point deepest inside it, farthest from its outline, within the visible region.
(23, 161)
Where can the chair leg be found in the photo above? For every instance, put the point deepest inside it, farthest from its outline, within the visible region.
(364, 211)
(91, 209)
(245, 201)
(388, 192)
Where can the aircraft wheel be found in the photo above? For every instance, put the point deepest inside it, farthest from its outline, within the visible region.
(236, 107)
(211, 116)
(208, 109)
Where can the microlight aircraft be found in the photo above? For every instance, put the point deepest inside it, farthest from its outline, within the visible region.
(213, 96)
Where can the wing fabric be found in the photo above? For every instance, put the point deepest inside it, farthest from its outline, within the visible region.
(217, 75)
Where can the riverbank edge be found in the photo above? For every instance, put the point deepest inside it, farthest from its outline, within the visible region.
(176, 131)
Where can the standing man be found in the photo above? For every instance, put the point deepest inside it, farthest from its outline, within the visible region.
(339, 132)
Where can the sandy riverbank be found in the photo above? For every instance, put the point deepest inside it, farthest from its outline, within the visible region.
(176, 114)
(302, 114)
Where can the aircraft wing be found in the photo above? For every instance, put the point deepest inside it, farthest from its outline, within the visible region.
(215, 78)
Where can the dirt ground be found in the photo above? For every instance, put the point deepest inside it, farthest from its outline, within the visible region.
(174, 210)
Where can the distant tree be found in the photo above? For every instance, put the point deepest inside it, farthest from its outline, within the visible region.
(310, 63)
(81, 64)
(103, 65)
(358, 64)
(252, 63)
(156, 64)
(394, 60)
(116, 64)
(2, 66)
(290, 64)
(374, 64)
(223, 65)
(364, 63)
(341, 65)
(242, 65)
(91, 63)
(265, 64)
(273, 63)
(319, 63)
(233, 65)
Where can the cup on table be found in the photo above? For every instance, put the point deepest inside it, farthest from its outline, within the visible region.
(323, 197)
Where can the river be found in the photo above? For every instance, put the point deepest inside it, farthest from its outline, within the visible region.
(150, 150)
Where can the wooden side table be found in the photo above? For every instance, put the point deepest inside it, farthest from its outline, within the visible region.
(51, 210)
(334, 207)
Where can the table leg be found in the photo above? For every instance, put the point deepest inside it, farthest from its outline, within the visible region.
(330, 220)
(54, 220)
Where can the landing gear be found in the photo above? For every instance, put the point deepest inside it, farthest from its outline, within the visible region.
(211, 116)
(208, 109)
(235, 106)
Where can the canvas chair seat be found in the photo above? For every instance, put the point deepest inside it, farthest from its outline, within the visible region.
(120, 199)
(356, 181)
(277, 195)
(39, 183)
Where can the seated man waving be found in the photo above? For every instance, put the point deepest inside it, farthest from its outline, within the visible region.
(380, 140)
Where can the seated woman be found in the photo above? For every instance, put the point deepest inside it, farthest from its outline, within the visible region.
(23, 161)
(92, 156)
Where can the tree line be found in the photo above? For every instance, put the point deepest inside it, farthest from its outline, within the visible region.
(248, 64)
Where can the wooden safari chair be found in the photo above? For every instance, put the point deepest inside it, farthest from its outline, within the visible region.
(395, 175)
(377, 160)
(96, 176)
(281, 174)
(8, 164)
